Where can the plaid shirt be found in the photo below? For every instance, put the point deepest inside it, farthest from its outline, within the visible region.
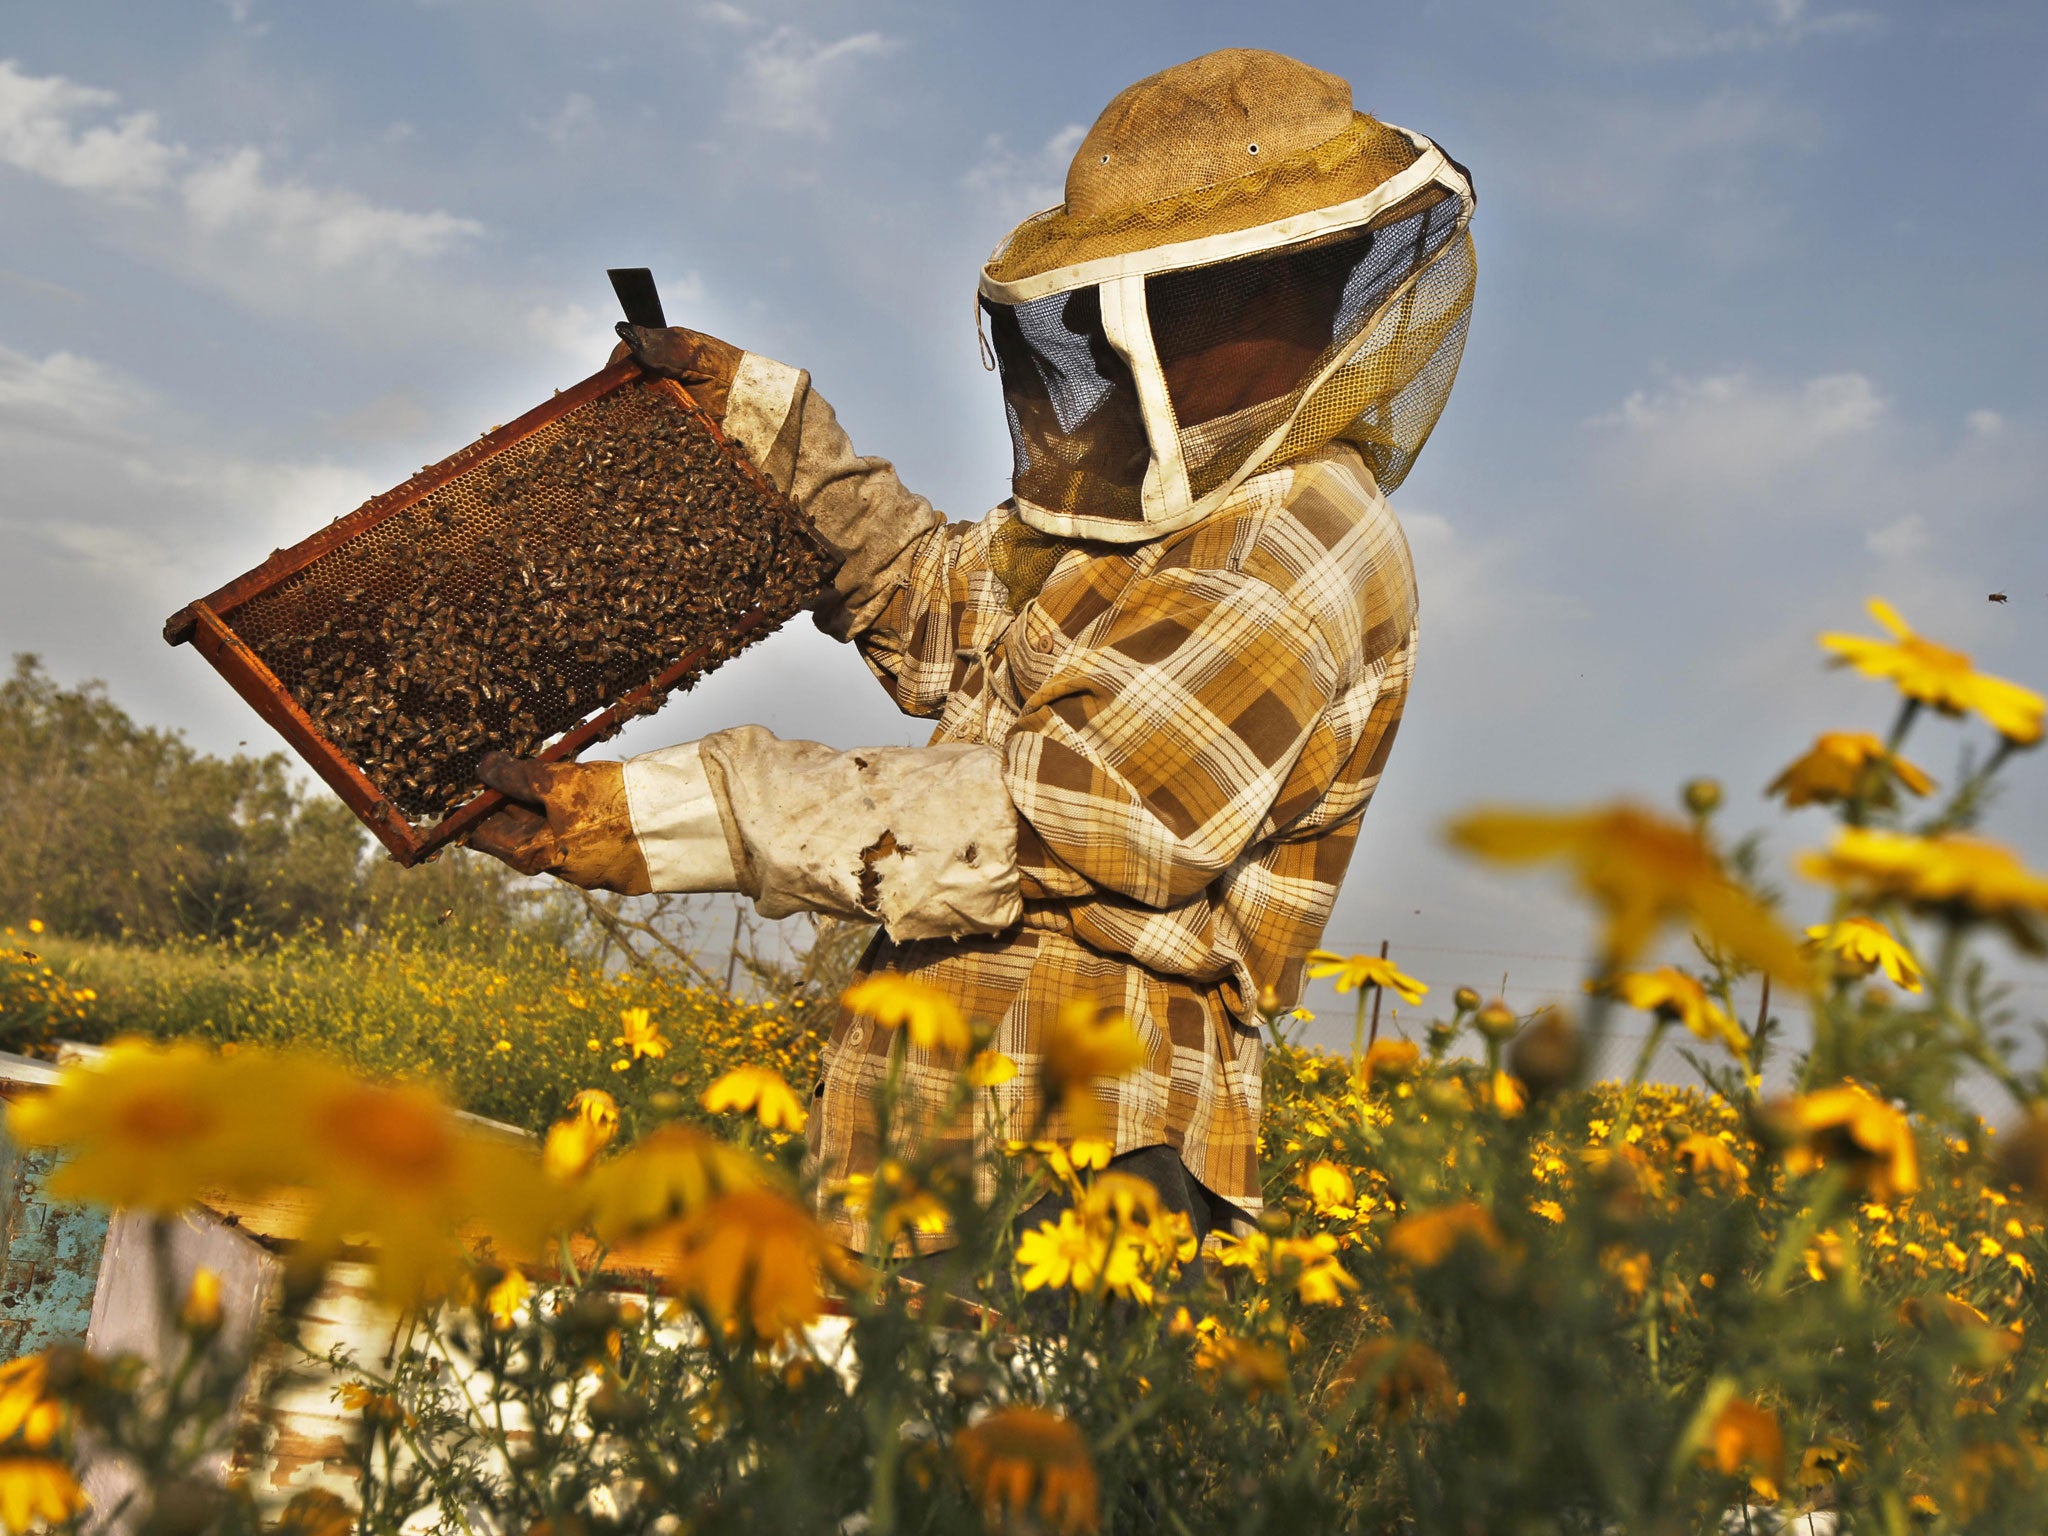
(1191, 730)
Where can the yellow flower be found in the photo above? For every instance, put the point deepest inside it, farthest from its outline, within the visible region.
(144, 1126)
(1083, 1042)
(1849, 1126)
(1745, 1439)
(1861, 945)
(1942, 874)
(1822, 1464)
(504, 1299)
(673, 1173)
(1426, 1238)
(1506, 1094)
(754, 1257)
(1309, 1264)
(773, 1101)
(389, 1167)
(315, 1512)
(1054, 1252)
(200, 1313)
(1252, 1368)
(37, 1490)
(1029, 1467)
(1330, 1188)
(1673, 994)
(1711, 1157)
(1119, 1239)
(989, 1068)
(1834, 766)
(932, 1019)
(1643, 870)
(1392, 1058)
(1406, 1378)
(1936, 675)
(597, 1107)
(1549, 1210)
(25, 1409)
(1354, 971)
(641, 1037)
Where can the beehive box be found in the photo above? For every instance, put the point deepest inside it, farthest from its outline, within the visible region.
(531, 593)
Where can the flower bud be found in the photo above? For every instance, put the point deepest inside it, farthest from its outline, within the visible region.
(1702, 796)
(1547, 1056)
(200, 1316)
(1466, 999)
(1497, 1021)
(2023, 1158)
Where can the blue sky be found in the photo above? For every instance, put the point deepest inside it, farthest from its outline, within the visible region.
(1759, 333)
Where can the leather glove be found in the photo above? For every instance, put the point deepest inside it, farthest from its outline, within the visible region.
(702, 364)
(569, 820)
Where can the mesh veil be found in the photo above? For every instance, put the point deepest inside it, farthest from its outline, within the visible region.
(1142, 393)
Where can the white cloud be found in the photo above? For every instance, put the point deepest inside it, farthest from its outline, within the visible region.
(1899, 542)
(232, 200)
(222, 217)
(1015, 185)
(1637, 31)
(1984, 423)
(569, 122)
(64, 388)
(1702, 456)
(44, 131)
(787, 79)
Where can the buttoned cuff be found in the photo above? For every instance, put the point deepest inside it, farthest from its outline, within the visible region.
(679, 822)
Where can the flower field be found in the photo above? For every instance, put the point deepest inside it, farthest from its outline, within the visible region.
(1487, 1296)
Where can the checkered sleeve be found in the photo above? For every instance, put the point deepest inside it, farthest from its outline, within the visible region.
(1151, 758)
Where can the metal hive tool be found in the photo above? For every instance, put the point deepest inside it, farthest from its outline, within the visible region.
(532, 592)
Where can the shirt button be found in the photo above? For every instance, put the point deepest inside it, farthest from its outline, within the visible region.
(855, 1035)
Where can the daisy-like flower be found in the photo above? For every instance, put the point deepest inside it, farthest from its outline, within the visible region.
(1861, 945)
(1745, 1440)
(1083, 1042)
(1673, 994)
(990, 1068)
(662, 1177)
(504, 1300)
(1935, 675)
(1709, 1157)
(1331, 1189)
(1252, 1367)
(1425, 1239)
(1028, 1467)
(754, 1258)
(573, 1143)
(1849, 1126)
(1945, 875)
(1393, 1059)
(1357, 971)
(641, 1036)
(1642, 870)
(1405, 1379)
(37, 1490)
(932, 1019)
(773, 1102)
(200, 1313)
(1833, 768)
(26, 1410)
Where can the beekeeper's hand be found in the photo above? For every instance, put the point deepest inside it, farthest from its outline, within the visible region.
(702, 364)
(569, 820)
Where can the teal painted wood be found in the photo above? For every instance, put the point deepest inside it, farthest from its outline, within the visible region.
(52, 1263)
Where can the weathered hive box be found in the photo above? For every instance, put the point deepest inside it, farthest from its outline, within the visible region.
(531, 593)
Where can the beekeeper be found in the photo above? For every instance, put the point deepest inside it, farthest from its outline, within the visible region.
(1166, 673)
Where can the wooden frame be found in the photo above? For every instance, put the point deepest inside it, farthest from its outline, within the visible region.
(208, 625)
